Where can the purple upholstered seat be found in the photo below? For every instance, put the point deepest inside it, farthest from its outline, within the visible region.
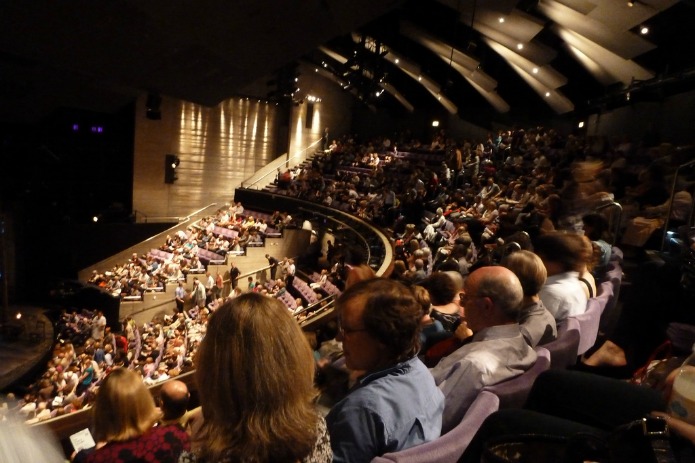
(449, 447)
(563, 350)
(513, 392)
(589, 323)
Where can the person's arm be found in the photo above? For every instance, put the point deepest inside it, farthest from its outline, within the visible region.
(357, 434)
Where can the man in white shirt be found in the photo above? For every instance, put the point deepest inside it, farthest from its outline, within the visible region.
(98, 325)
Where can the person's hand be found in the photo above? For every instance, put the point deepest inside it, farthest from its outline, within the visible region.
(680, 427)
(462, 331)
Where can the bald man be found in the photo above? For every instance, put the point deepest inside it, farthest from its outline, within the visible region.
(491, 301)
(174, 398)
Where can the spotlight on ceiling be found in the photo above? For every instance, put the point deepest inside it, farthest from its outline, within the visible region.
(501, 19)
(630, 4)
(547, 94)
(397, 61)
(519, 46)
(435, 123)
(581, 124)
(535, 70)
(644, 30)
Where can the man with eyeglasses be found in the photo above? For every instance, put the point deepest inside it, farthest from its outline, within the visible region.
(491, 302)
(395, 403)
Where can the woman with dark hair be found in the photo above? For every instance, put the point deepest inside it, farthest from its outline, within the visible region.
(123, 417)
(255, 376)
(444, 289)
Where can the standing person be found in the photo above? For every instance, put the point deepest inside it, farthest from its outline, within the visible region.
(123, 416)
(209, 287)
(395, 404)
(180, 295)
(198, 295)
(273, 265)
(257, 406)
(98, 325)
(291, 270)
(234, 273)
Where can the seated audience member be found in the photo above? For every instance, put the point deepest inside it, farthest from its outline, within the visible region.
(174, 397)
(561, 253)
(124, 415)
(395, 404)
(444, 289)
(537, 324)
(595, 227)
(257, 405)
(358, 269)
(588, 261)
(431, 330)
(497, 352)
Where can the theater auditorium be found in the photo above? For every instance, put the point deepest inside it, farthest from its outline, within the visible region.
(324, 231)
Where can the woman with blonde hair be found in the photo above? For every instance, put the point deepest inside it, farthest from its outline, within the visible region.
(255, 376)
(123, 417)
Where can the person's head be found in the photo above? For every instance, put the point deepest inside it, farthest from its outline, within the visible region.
(492, 296)
(529, 268)
(174, 397)
(379, 324)
(123, 408)
(423, 298)
(255, 373)
(443, 287)
(595, 225)
(560, 252)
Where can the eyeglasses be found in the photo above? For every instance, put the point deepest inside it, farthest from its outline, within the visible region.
(343, 331)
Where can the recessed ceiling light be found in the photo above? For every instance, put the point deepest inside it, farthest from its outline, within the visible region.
(630, 4)
(547, 94)
(581, 124)
(397, 60)
(501, 20)
(644, 30)
(419, 78)
(535, 70)
(519, 46)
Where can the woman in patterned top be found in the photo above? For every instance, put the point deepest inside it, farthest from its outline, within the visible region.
(124, 415)
(255, 376)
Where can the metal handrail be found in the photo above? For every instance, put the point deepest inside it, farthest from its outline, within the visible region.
(343, 224)
(670, 205)
(275, 164)
(618, 222)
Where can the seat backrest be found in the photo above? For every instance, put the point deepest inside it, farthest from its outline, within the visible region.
(589, 323)
(513, 392)
(449, 447)
(563, 350)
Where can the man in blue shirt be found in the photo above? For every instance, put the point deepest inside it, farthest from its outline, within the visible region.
(395, 404)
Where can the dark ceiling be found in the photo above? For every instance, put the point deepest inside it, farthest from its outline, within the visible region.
(100, 55)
